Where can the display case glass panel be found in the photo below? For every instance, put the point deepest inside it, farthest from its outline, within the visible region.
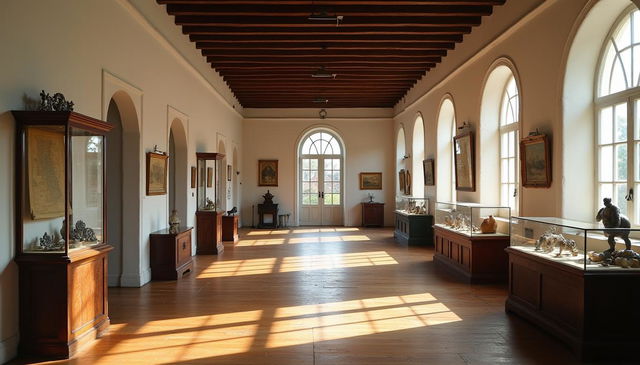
(473, 219)
(412, 206)
(60, 180)
(208, 182)
(582, 245)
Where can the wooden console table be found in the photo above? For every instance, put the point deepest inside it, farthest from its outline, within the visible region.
(230, 228)
(372, 214)
(171, 254)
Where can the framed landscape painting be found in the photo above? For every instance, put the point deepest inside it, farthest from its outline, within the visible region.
(156, 173)
(371, 181)
(428, 167)
(268, 173)
(535, 159)
(464, 160)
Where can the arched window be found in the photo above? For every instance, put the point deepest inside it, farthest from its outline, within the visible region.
(509, 126)
(618, 124)
(418, 157)
(400, 157)
(321, 143)
(445, 175)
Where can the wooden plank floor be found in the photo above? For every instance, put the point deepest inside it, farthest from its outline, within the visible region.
(317, 296)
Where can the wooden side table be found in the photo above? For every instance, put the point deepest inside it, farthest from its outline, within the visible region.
(372, 214)
(171, 254)
(230, 228)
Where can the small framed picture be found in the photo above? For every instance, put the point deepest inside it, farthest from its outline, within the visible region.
(407, 182)
(268, 173)
(401, 180)
(229, 172)
(535, 161)
(371, 181)
(209, 177)
(194, 174)
(428, 167)
(156, 173)
(465, 163)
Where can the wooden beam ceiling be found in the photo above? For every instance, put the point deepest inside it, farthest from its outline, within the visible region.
(267, 50)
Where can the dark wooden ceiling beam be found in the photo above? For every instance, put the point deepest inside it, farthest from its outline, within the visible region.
(316, 46)
(325, 54)
(347, 11)
(343, 38)
(326, 61)
(324, 31)
(334, 2)
(301, 22)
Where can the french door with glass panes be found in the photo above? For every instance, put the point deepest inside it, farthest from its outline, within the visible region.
(321, 192)
(618, 155)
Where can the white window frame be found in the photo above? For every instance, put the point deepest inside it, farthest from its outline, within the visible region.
(505, 128)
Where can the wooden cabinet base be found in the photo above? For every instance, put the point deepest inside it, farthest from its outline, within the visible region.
(372, 214)
(230, 228)
(413, 229)
(209, 233)
(171, 254)
(477, 259)
(593, 312)
(63, 302)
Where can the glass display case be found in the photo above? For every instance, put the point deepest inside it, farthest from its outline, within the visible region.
(411, 205)
(582, 245)
(60, 230)
(473, 219)
(208, 186)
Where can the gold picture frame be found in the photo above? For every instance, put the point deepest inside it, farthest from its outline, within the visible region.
(371, 181)
(535, 161)
(428, 167)
(268, 173)
(156, 173)
(464, 161)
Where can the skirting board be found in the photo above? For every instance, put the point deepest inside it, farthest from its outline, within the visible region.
(136, 280)
(8, 348)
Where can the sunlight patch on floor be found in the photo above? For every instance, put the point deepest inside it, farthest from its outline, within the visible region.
(298, 240)
(295, 263)
(268, 232)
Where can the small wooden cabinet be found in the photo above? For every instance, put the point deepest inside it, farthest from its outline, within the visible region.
(372, 214)
(209, 232)
(171, 254)
(474, 259)
(413, 229)
(230, 228)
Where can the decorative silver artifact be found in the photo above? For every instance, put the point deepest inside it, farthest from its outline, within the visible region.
(174, 222)
(55, 103)
(548, 242)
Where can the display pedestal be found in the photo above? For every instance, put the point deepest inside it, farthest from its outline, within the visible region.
(230, 228)
(171, 254)
(413, 229)
(209, 232)
(474, 259)
(268, 216)
(594, 312)
(63, 301)
(372, 214)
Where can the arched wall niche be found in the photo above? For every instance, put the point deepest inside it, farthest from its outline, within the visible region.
(178, 170)
(235, 183)
(401, 152)
(488, 150)
(578, 114)
(417, 156)
(222, 176)
(445, 184)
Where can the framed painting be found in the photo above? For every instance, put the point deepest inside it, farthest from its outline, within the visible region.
(407, 182)
(194, 174)
(464, 160)
(209, 177)
(428, 167)
(535, 161)
(45, 177)
(371, 181)
(156, 173)
(401, 180)
(268, 173)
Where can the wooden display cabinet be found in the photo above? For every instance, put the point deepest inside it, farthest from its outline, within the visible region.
(60, 191)
(372, 214)
(208, 214)
(230, 228)
(171, 254)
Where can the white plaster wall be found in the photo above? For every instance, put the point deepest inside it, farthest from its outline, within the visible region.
(64, 46)
(369, 145)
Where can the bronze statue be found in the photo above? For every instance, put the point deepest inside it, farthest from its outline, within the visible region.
(611, 218)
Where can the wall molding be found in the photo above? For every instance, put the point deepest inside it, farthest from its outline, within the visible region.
(155, 33)
(519, 24)
(136, 280)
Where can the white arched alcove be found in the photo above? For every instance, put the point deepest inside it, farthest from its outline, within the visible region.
(445, 180)
(417, 156)
(222, 176)
(122, 104)
(401, 153)
(178, 170)
(235, 187)
(578, 115)
(500, 72)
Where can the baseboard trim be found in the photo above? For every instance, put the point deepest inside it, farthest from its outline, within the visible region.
(8, 348)
(136, 280)
(113, 281)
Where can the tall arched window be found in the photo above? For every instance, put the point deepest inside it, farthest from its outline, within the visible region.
(418, 157)
(321, 179)
(618, 122)
(509, 126)
(445, 175)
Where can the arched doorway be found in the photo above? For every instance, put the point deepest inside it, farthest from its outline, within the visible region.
(401, 154)
(321, 178)
(417, 157)
(178, 169)
(123, 193)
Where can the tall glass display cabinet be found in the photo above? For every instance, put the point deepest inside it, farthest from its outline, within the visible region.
(61, 243)
(209, 213)
(574, 279)
(470, 240)
(413, 223)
